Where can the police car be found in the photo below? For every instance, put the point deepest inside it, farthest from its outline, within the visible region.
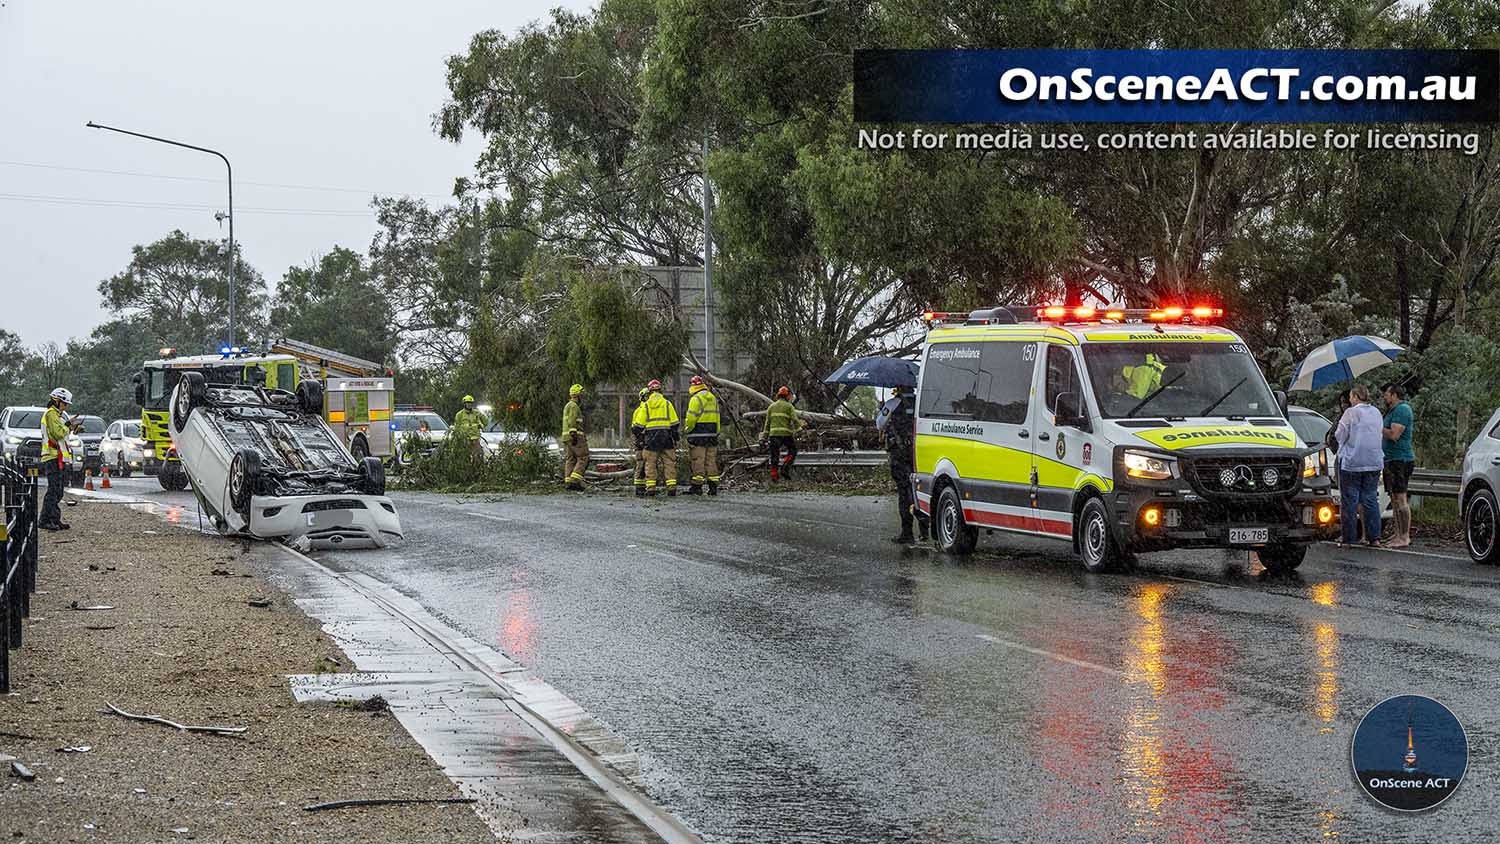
(1119, 431)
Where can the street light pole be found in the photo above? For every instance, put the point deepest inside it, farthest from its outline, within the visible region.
(228, 169)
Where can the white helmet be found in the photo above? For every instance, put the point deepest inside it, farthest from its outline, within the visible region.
(63, 394)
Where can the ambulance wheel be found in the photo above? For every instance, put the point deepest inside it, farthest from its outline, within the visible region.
(310, 396)
(1282, 558)
(244, 477)
(953, 535)
(1096, 542)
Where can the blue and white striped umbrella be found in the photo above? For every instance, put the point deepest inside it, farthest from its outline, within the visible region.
(1343, 360)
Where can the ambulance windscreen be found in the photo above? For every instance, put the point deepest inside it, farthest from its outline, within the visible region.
(1180, 378)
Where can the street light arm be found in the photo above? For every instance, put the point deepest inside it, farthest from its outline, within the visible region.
(228, 168)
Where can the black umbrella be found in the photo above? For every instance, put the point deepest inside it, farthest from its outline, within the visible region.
(876, 371)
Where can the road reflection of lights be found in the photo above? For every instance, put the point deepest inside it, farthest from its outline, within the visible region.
(174, 515)
(1324, 593)
(1144, 764)
(1327, 823)
(518, 626)
(1325, 695)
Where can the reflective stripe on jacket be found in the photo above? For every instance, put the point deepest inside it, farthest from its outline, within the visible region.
(660, 413)
(702, 419)
(781, 419)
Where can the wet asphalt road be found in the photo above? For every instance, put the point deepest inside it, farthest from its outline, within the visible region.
(789, 675)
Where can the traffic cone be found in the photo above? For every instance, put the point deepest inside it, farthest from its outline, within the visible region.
(88, 479)
(104, 481)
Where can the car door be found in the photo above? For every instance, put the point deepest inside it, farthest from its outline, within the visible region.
(1057, 451)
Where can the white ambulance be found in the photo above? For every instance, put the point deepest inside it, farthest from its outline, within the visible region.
(1119, 431)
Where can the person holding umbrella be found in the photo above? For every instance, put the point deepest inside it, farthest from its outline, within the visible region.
(897, 422)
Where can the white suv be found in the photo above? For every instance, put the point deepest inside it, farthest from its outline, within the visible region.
(21, 432)
(1479, 486)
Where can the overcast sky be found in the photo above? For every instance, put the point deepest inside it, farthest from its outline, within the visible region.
(327, 94)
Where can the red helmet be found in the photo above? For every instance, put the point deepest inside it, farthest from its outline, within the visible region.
(783, 392)
(655, 385)
(697, 379)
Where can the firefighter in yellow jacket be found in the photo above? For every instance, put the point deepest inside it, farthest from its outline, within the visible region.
(780, 430)
(575, 443)
(55, 455)
(700, 425)
(638, 434)
(661, 441)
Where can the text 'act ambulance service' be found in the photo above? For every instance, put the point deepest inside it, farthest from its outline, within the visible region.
(1119, 431)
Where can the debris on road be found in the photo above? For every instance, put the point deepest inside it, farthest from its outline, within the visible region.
(19, 770)
(260, 603)
(188, 728)
(75, 606)
(386, 801)
(80, 748)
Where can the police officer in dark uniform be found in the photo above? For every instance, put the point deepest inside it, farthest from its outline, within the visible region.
(897, 420)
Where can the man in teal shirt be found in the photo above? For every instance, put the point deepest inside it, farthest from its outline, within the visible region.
(1400, 460)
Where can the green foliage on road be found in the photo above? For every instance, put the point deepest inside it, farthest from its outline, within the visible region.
(452, 466)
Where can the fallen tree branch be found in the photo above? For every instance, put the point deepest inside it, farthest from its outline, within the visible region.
(384, 801)
(187, 728)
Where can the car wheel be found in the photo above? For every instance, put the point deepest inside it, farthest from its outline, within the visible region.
(191, 393)
(953, 534)
(372, 476)
(1482, 528)
(360, 448)
(310, 397)
(1282, 557)
(244, 479)
(1097, 547)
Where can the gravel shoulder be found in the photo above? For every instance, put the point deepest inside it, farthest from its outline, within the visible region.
(183, 642)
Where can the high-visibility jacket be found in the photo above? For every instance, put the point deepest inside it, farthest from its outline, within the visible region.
(660, 413)
(55, 435)
(468, 423)
(638, 425)
(1142, 380)
(572, 418)
(781, 419)
(701, 423)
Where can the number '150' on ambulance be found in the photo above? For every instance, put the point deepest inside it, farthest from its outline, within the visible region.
(1119, 431)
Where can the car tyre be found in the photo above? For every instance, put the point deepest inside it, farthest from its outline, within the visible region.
(372, 476)
(172, 476)
(1482, 528)
(1282, 557)
(953, 534)
(360, 448)
(310, 397)
(192, 392)
(244, 480)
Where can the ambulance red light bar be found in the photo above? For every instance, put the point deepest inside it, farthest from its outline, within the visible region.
(1199, 314)
(941, 316)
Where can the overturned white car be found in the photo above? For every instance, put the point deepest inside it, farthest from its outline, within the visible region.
(264, 463)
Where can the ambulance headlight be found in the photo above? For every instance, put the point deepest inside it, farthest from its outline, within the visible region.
(1153, 467)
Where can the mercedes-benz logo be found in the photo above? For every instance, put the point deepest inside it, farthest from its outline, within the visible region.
(1243, 475)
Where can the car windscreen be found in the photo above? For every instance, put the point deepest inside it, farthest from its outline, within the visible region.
(1311, 427)
(92, 424)
(1177, 378)
(26, 419)
(413, 421)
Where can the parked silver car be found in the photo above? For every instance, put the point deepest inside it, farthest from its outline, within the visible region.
(1477, 503)
(123, 450)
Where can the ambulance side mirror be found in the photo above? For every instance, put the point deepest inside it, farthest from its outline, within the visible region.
(140, 390)
(1070, 411)
(1281, 402)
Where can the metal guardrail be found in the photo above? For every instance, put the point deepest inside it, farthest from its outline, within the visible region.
(18, 540)
(804, 458)
(1439, 483)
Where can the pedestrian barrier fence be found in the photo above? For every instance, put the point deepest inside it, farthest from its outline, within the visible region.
(18, 539)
